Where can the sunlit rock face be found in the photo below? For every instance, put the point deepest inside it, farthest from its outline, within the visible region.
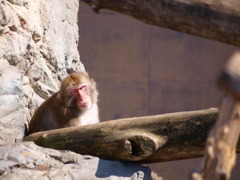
(29, 161)
(38, 42)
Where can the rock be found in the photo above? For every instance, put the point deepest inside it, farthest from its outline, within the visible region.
(11, 126)
(29, 161)
(38, 49)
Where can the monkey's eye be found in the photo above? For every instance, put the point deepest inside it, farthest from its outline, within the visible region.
(83, 87)
(74, 91)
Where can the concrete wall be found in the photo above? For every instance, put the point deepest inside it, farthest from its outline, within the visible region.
(144, 70)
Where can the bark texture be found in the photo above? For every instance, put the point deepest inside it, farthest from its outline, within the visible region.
(220, 152)
(216, 20)
(147, 139)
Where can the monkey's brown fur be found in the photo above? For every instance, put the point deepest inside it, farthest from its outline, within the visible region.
(61, 110)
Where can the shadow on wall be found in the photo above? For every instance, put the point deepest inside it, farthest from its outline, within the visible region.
(144, 70)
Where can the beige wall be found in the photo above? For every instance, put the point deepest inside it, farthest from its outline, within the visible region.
(143, 70)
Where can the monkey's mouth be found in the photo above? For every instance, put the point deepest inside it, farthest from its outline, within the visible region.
(82, 104)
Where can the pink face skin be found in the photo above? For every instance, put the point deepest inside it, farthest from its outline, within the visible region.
(83, 99)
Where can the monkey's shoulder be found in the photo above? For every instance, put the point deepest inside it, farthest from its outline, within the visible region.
(49, 104)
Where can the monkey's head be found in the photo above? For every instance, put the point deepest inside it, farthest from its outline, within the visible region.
(78, 91)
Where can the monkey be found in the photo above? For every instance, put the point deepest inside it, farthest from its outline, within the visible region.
(75, 104)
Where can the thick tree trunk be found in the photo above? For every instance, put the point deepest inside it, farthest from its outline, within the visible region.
(147, 139)
(216, 20)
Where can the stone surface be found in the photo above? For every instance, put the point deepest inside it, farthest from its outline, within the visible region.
(38, 49)
(29, 161)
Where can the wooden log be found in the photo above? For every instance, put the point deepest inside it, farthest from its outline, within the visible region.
(148, 139)
(216, 20)
(220, 151)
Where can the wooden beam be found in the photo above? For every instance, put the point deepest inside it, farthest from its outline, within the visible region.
(216, 20)
(147, 139)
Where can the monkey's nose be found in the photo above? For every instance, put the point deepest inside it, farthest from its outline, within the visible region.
(81, 95)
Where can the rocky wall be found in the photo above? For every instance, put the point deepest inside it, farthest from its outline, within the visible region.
(38, 41)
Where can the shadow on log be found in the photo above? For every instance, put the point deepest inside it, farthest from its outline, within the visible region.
(147, 139)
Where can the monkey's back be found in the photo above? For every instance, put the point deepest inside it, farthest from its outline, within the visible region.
(46, 116)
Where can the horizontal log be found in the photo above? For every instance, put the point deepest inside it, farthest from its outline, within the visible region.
(216, 20)
(147, 139)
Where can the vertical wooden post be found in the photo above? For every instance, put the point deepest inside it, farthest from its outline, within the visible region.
(220, 151)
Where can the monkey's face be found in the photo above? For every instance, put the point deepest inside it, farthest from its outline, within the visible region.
(78, 91)
(81, 96)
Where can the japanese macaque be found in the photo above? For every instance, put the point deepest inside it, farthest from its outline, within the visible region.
(75, 104)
